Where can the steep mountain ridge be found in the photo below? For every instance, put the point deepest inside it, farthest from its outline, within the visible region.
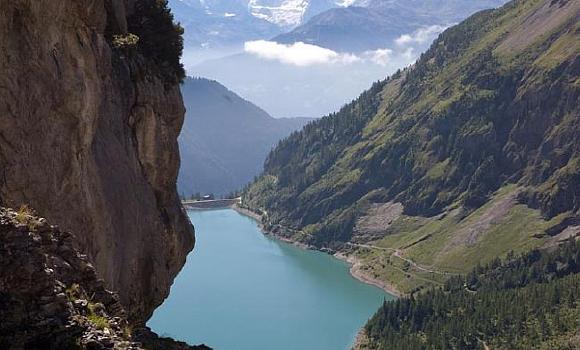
(486, 107)
(352, 29)
(90, 112)
(225, 139)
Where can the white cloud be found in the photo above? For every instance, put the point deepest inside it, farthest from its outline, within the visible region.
(304, 55)
(298, 54)
(420, 36)
(409, 54)
(345, 3)
(381, 57)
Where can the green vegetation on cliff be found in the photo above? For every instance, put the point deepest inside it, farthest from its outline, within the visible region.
(520, 303)
(478, 142)
(158, 37)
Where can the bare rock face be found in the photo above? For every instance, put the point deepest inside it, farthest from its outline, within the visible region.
(88, 137)
(51, 298)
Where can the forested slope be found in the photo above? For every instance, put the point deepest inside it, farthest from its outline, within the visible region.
(528, 302)
(470, 153)
(493, 101)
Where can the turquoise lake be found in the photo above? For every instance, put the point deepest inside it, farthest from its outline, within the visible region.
(241, 290)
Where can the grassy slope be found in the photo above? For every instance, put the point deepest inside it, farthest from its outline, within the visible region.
(433, 243)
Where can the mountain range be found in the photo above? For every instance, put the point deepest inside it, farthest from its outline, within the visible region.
(454, 182)
(327, 23)
(325, 62)
(215, 24)
(469, 154)
(225, 139)
(375, 24)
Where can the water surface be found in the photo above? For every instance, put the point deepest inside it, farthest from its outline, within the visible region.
(241, 290)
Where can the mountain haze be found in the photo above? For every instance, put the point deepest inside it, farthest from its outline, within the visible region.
(287, 90)
(371, 25)
(326, 62)
(225, 139)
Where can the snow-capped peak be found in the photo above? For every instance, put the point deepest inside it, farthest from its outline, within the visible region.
(284, 13)
(345, 3)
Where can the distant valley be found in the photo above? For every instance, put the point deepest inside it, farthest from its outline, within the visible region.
(347, 46)
(225, 139)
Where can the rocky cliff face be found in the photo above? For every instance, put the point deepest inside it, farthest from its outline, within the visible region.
(88, 137)
(51, 298)
(49, 293)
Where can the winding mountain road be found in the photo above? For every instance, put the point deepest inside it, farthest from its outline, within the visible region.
(399, 254)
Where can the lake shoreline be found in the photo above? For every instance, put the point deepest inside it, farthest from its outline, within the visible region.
(355, 264)
(355, 269)
(357, 272)
(286, 285)
(210, 204)
(258, 218)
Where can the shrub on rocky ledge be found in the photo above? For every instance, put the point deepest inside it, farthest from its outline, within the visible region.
(127, 41)
(160, 39)
(25, 216)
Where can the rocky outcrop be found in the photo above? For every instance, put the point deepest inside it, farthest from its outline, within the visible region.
(88, 137)
(374, 224)
(50, 295)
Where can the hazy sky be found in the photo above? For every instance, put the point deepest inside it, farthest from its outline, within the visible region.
(304, 80)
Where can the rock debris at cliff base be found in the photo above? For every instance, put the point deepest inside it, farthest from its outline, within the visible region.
(51, 297)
